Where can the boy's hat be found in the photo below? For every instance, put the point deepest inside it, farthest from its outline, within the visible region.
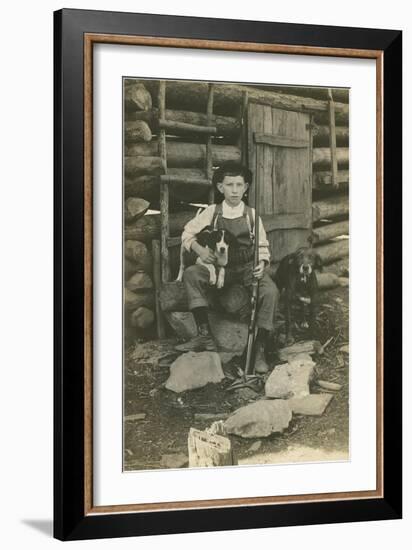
(232, 169)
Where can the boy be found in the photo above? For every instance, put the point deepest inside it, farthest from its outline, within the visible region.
(232, 180)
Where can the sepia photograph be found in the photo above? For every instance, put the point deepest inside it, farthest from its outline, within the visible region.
(236, 274)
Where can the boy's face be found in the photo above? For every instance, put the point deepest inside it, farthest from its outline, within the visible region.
(233, 188)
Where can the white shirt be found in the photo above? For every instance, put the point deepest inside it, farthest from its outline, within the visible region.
(195, 226)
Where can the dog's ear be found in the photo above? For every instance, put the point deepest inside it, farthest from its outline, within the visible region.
(203, 238)
(318, 262)
(293, 258)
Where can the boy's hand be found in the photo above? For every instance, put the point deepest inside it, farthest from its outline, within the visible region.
(205, 254)
(259, 270)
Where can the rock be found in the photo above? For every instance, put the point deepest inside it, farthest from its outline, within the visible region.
(343, 281)
(245, 394)
(310, 347)
(300, 371)
(183, 323)
(290, 379)
(313, 404)
(231, 335)
(329, 385)
(259, 419)
(344, 349)
(278, 384)
(227, 356)
(134, 417)
(177, 460)
(255, 446)
(194, 370)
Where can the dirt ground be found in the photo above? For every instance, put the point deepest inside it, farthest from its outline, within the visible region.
(165, 417)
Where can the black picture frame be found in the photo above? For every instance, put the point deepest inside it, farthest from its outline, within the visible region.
(71, 521)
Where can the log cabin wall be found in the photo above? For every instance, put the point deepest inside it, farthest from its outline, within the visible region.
(164, 145)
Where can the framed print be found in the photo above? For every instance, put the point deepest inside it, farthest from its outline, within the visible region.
(227, 274)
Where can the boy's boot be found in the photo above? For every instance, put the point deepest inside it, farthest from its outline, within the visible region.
(261, 366)
(204, 341)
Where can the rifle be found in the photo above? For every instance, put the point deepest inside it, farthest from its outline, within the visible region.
(249, 364)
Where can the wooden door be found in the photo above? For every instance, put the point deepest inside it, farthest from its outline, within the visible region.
(280, 156)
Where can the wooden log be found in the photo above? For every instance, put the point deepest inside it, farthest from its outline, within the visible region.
(142, 317)
(330, 231)
(136, 251)
(327, 280)
(135, 208)
(322, 156)
(324, 177)
(328, 192)
(130, 267)
(330, 208)
(147, 187)
(333, 251)
(148, 227)
(137, 130)
(225, 125)
(339, 94)
(143, 165)
(341, 116)
(227, 97)
(157, 277)
(133, 301)
(138, 254)
(184, 128)
(139, 282)
(321, 135)
(340, 267)
(137, 97)
(186, 181)
(180, 154)
(208, 450)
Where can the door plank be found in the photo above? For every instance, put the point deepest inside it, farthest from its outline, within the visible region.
(267, 195)
(281, 141)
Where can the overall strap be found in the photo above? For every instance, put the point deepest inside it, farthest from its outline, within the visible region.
(217, 214)
(248, 214)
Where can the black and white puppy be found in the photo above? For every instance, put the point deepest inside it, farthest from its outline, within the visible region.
(219, 241)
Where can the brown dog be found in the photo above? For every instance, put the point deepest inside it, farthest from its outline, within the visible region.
(296, 277)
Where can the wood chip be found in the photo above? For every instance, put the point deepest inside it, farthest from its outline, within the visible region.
(211, 416)
(135, 417)
(329, 385)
